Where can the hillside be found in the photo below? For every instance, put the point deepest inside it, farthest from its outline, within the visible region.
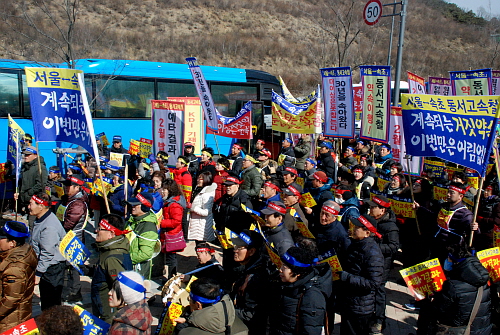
(291, 38)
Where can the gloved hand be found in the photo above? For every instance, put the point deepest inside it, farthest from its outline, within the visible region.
(343, 275)
(152, 158)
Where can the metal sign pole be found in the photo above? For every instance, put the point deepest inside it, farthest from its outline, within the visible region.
(400, 52)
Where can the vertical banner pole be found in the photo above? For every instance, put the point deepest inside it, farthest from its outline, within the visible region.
(476, 207)
(411, 191)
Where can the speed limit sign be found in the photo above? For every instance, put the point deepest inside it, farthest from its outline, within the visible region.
(372, 12)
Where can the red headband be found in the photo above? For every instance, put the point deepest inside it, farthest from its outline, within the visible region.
(368, 225)
(357, 170)
(418, 181)
(363, 158)
(271, 185)
(340, 191)
(381, 202)
(290, 169)
(238, 146)
(277, 208)
(144, 201)
(76, 181)
(330, 210)
(266, 152)
(40, 201)
(210, 250)
(105, 224)
(294, 190)
(234, 180)
(490, 188)
(397, 178)
(261, 141)
(317, 177)
(457, 189)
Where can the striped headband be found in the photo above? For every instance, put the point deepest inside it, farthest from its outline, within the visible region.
(40, 201)
(144, 201)
(457, 189)
(271, 185)
(105, 224)
(330, 210)
(276, 208)
(368, 225)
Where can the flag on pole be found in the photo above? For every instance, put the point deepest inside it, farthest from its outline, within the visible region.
(16, 134)
(207, 102)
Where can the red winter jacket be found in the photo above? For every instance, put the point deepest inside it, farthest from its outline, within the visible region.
(184, 179)
(173, 209)
(219, 178)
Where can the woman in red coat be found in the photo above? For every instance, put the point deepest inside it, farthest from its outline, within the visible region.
(183, 177)
(174, 205)
(221, 167)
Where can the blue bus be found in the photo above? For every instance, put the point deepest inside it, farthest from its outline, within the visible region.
(118, 92)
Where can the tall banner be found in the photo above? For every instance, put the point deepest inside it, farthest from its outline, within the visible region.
(299, 118)
(16, 134)
(338, 102)
(495, 82)
(57, 107)
(207, 102)
(357, 92)
(239, 126)
(439, 86)
(376, 83)
(168, 124)
(453, 128)
(193, 122)
(397, 142)
(416, 84)
(474, 82)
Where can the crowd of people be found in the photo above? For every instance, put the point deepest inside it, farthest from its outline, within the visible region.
(272, 279)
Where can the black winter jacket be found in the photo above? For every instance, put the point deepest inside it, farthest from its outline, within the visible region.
(312, 291)
(289, 156)
(32, 180)
(455, 301)
(363, 274)
(386, 226)
(229, 214)
(330, 236)
(280, 237)
(327, 164)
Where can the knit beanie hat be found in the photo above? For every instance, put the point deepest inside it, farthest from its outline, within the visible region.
(132, 286)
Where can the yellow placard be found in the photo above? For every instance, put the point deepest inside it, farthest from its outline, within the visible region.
(52, 78)
(307, 200)
(304, 230)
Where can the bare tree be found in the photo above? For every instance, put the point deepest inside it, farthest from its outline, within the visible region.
(52, 26)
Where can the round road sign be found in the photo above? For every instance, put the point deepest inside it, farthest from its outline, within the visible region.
(372, 12)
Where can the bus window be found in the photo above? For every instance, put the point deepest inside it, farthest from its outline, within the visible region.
(9, 95)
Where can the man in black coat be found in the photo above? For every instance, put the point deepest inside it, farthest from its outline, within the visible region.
(325, 160)
(362, 275)
(380, 210)
(287, 152)
(236, 159)
(193, 160)
(117, 146)
(274, 229)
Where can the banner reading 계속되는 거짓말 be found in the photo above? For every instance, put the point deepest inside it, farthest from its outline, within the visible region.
(338, 101)
(57, 106)
(376, 102)
(456, 129)
(473, 82)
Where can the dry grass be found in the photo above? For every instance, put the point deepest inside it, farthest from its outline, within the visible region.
(291, 38)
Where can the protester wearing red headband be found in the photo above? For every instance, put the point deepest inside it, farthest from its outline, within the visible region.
(113, 248)
(46, 236)
(363, 269)
(236, 158)
(329, 232)
(454, 221)
(380, 210)
(291, 196)
(274, 228)
(320, 191)
(268, 167)
(270, 192)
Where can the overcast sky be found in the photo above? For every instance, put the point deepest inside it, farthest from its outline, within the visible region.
(488, 5)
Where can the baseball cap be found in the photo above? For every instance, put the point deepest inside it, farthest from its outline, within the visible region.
(326, 145)
(274, 207)
(247, 238)
(188, 144)
(231, 181)
(293, 190)
(290, 170)
(14, 229)
(144, 198)
(366, 221)
(30, 150)
(265, 152)
(117, 138)
(72, 180)
(379, 201)
(319, 175)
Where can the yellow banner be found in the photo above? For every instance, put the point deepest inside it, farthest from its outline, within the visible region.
(193, 123)
(485, 105)
(52, 78)
(305, 122)
(304, 230)
(307, 200)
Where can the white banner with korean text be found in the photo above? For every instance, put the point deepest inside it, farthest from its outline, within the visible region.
(168, 126)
